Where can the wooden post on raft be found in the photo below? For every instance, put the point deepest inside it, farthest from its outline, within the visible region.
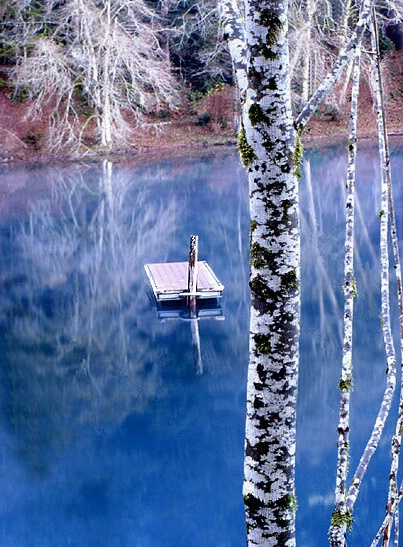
(192, 275)
(192, 288)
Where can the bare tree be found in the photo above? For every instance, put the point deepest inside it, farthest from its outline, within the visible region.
(105, 55)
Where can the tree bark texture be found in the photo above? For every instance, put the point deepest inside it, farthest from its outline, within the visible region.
(387, 200)
(271, 152)
(386, 403)
(341, 517)
(268, 150)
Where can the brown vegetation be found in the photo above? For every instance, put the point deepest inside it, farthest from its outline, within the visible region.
(203, 123)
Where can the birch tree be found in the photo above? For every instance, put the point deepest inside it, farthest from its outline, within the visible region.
(394, 493)
(105, 55)
(271, 153)
(345, 501)
(344, 515)
(268, 146)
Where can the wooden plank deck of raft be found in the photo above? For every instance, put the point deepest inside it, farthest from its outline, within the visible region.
(169, 281)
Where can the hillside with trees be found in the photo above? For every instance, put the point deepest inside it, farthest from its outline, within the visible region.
(120, 75)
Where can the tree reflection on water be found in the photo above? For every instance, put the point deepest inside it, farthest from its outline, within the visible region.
(74, 298)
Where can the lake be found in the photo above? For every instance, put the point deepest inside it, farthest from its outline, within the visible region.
(113, 431)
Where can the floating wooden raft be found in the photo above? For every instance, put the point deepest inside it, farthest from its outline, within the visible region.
(179, 280)
(169, 281)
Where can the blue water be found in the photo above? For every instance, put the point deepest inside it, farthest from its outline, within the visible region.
(111, 433)
(322, 223)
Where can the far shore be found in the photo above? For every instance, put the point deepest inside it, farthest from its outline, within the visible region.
(155, 152)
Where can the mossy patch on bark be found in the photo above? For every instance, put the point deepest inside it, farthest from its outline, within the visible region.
(342, 519)
(298, 156)
(289, 280)
(346, 384)
(246, 152)
(260, 256)
(262, 344)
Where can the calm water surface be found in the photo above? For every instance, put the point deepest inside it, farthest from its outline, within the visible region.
(111, 431)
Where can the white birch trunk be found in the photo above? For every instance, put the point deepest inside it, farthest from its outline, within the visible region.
(344, 36)
(341, 518)
(268, 151)
(393, 494)
(344, 57)
(106, 130)
(388, 517)
(306, 57)
(234, 33)
(383, 412)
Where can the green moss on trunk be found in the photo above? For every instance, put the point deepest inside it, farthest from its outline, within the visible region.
(342, 519)
(260, 256)
(246, 152)
(262, 344)
(298, 156)
(289, 280)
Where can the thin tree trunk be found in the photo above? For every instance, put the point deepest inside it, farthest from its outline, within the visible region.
(106, 132)
(374, 439)
(93, 72)
(342, 60)
(393, 494)
(344, 36)
(306, 57)
(234, 32)
(341, 518)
